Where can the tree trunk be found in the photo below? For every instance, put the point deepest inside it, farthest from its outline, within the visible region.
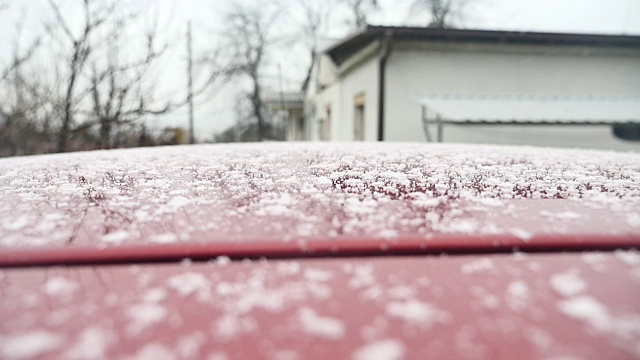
(257, 105)
(67, 120)
(105, 133)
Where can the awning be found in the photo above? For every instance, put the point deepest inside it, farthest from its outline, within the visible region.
(533, 109)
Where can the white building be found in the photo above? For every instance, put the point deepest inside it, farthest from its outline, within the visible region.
(424, 84)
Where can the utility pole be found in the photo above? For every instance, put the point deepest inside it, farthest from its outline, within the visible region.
(285, 114)
(190, 90)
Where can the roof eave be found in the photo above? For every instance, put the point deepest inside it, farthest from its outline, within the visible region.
(342, 50)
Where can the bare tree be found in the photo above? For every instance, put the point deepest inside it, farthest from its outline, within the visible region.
(248, 37)
(119, 91)
(81, 48)
(92, 82)
(18, 125)
(109, 79)
(443, 13)
(360, 10)
(315, 15)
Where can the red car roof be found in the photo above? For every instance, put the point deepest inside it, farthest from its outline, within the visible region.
(502, 306)
(298, 197)
(362, 251)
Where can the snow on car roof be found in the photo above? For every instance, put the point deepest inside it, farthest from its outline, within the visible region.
(542, 306)
(287, 192)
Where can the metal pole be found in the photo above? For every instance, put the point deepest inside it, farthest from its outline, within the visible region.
(285, 114)
(190, 91)
(425, 124)
(440, 129)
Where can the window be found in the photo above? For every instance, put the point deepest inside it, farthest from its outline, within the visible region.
(300, 128)
(358, 118)
(325, 125)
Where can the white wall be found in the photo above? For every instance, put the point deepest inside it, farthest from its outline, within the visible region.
(489, 69)
(341, 95)
(329, 96)
(569, 136)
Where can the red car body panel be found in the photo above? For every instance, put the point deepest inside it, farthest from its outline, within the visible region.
(313, 251)
(303, 192)
(502, 306)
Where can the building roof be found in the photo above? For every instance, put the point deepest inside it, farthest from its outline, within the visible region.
(292, 99)
(344, 49)
(541, 109)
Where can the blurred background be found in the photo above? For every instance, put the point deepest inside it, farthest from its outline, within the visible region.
(100, 74)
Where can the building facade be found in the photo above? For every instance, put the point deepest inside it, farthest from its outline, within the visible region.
(373, 85)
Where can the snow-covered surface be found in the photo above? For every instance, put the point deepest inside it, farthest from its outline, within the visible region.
(494, 306)
(388, 349)
(29, 344)
(324, 326)
(525, 306)
(288, 192)
(568, 284)
(60, 286)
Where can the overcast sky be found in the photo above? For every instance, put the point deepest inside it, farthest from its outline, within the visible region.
(579, 16)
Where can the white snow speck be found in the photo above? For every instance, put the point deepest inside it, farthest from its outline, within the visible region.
(91, 344)
(323, 182)
(59, 286)
(417, 312)
(487, 299)
(564, 215)
(189, 283)
(230, 325)
(153, 352)
(222, 260)
(189, 346)
(362, 277)
(165, 238)
(462, 226)
(517, 295)
(521, 234)
(633, 219)
(389, 349)
(596, 260)
(145, 315)
(29, 345)
(323, 326)
(476, 266)
(539, 337)
(630, 257)
(317, 275)
(288, 268)
(177, 202)
(568, 283)
(115, 237)
(587, 309)
(155, 295)
(490, 201)
(15, 224)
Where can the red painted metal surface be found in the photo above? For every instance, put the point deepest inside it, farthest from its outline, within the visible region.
(351, 238)
(313, 248)
(501, 306)
(302, 193)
